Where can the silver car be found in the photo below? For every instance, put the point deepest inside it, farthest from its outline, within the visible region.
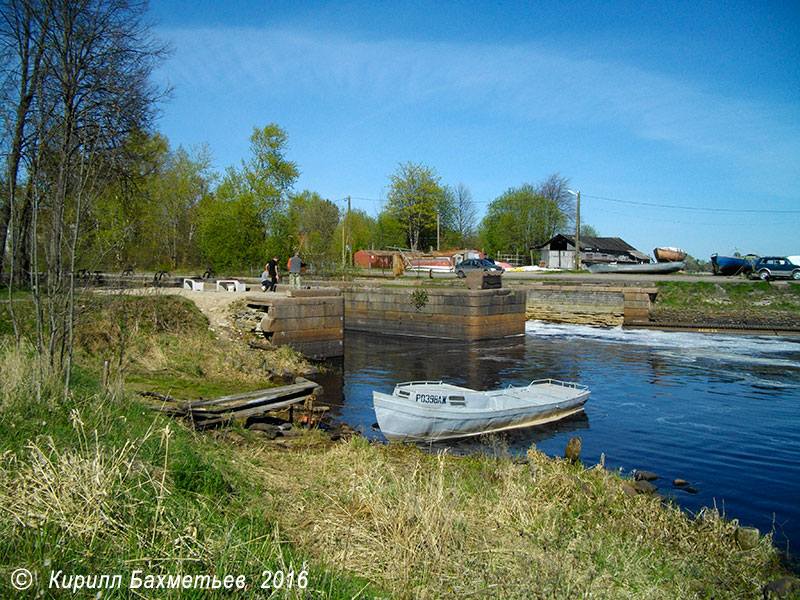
(476, 264)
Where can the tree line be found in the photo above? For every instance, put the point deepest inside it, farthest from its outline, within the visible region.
(90, 184)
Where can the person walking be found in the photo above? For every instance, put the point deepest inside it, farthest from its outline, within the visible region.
(272, 271)
(295, 267)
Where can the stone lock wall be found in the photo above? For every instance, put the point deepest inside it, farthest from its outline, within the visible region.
(310, 321)
(589, 304)
(456, 314)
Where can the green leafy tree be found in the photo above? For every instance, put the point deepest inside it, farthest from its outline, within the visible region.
(230, 232)
(359, 229)
(589, 231)
(268, 176)
(314, 221)
(518, 219)
(388, 232)
(117, 222)
(415, 193)
(257, 193)
(177, 193)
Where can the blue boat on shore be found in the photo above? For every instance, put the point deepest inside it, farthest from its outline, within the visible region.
(731, 265)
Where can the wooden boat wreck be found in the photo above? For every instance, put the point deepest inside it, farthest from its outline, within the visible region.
(669, 254)
(433, 410)
(213, 412)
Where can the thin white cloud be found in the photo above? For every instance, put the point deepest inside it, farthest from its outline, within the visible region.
(520, 83)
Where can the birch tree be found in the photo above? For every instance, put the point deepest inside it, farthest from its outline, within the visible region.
(92, 61)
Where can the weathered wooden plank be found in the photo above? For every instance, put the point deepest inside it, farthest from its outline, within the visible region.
(226, 417)
(300, 384)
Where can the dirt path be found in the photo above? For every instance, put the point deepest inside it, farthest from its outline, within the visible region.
(214, 305)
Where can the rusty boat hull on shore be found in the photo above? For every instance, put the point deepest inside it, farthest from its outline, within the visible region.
(668, 254)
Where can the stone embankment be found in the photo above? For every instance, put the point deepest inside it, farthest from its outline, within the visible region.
(638, 306)
(743, 320)
(589, 304)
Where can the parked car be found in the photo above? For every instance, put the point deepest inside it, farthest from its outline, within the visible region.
(772, 267)
(476, 264)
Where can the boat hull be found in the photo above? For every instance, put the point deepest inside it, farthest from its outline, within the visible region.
(669, 254)
(401, 419)
(661, 268)
(730, 265)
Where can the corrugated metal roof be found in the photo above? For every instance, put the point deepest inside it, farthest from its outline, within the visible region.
(601, 244)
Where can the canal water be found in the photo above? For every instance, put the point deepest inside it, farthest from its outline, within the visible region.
(721, 411)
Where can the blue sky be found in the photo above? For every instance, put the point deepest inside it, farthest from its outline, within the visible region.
(674, 104)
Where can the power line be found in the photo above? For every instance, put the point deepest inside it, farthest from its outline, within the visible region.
(639, 203)
(700, 208)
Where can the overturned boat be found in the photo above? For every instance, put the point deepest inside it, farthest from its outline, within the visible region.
(433, 410)
(661, 268)
(669, 254)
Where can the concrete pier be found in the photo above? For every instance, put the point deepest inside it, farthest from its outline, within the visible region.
(442, 313)
(312, 322)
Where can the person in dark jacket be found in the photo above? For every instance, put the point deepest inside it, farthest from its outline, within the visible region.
(272, 271)
(270, 276)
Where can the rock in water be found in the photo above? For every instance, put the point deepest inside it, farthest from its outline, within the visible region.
(680, 482)
(645, 487)
(573, 449)
(747, 537)
(645, 476)
(781, 588)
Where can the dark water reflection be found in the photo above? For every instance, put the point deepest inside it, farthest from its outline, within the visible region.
(721, 411)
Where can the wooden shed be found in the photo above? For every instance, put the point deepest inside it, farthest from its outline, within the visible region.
(559, 251)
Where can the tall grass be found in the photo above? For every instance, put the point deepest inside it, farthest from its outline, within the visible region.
(450, 527)
(94, 483)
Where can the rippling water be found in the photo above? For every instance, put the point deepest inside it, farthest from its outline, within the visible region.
(721, 411)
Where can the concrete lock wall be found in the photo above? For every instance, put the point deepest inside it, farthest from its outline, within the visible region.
(590, 305)
(441, 313)
(311, 324)
(314, 324)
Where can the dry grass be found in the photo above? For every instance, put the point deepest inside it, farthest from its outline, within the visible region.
(438, 526)
(79, 490)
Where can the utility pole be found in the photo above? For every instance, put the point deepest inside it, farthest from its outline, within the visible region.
(348, 223)
(437, 231)
(577, 264)
(578, 233)
(344, 223)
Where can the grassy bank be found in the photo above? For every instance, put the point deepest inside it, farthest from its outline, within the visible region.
(96, 483)
(746, 304)
(727, 296)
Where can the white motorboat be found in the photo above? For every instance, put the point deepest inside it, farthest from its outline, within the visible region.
(433, 410)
